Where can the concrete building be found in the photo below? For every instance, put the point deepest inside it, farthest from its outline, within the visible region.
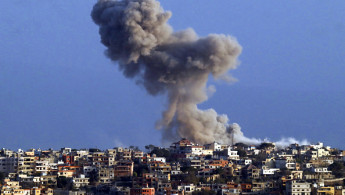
(295, 187)
(8, 164)
(81, 181)
(123, 169)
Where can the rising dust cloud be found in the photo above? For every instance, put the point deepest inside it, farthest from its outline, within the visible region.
(172, 63)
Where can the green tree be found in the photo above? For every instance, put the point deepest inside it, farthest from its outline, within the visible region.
(3, 175)
(241, 152)
(140, 169)
(220, 180)
(338, 169)
(191, 178)
(93, 177)
(219, 171)
(335, 152)
(162, 152)
(241, 145)
(62, 182)
(150, 147)
(186, 169)
(266, 146)
(257, 160)
(135, 148)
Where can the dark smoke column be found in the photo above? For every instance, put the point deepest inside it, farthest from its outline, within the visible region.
(138, 37)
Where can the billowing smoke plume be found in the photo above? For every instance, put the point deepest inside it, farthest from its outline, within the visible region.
(178, 64)
(282, 143)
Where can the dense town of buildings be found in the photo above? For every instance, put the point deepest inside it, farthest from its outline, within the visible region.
(183, 168)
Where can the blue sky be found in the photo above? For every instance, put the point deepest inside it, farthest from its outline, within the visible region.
(58, 89)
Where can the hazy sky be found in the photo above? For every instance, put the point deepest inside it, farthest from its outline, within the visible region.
(58, 89)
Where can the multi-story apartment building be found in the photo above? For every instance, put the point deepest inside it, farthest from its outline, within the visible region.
(27, 164)
(124, 169)
(8, 164)
(296, 187)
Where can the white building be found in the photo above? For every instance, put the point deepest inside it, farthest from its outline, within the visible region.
(217, 146)
(160, 159)
(232, 191)
(317, 146)
(248, 161)
(42, 167)
(322, 152)
(186, 188)
(320, 170)
(88, 169)
(269, 171)
(207, 152)
(298, 188)
(196, 150)
(233, 154)
(80, 181)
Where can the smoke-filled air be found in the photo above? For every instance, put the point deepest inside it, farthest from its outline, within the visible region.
(172, 63)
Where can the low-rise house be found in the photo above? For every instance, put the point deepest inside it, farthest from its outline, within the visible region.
(265, 171)
(251, 171)
(215, 146)
(317, 146)
(137, 154)
(230, 191)
(196, 163)
(157, 159)
(48, 180)
(262, 187)
(186, 188)
(25, 179)
(232, 154)
(80, 181)
(69, 171)
(320, 170)
(126, 155)
(296, 175)
(231, 188)
(159, 167)
(218, 163)
(296, 187)
(195, 150)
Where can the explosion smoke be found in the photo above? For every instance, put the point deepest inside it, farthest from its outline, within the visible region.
(138, 37)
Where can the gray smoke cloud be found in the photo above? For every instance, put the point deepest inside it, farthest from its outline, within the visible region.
(177, 64)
